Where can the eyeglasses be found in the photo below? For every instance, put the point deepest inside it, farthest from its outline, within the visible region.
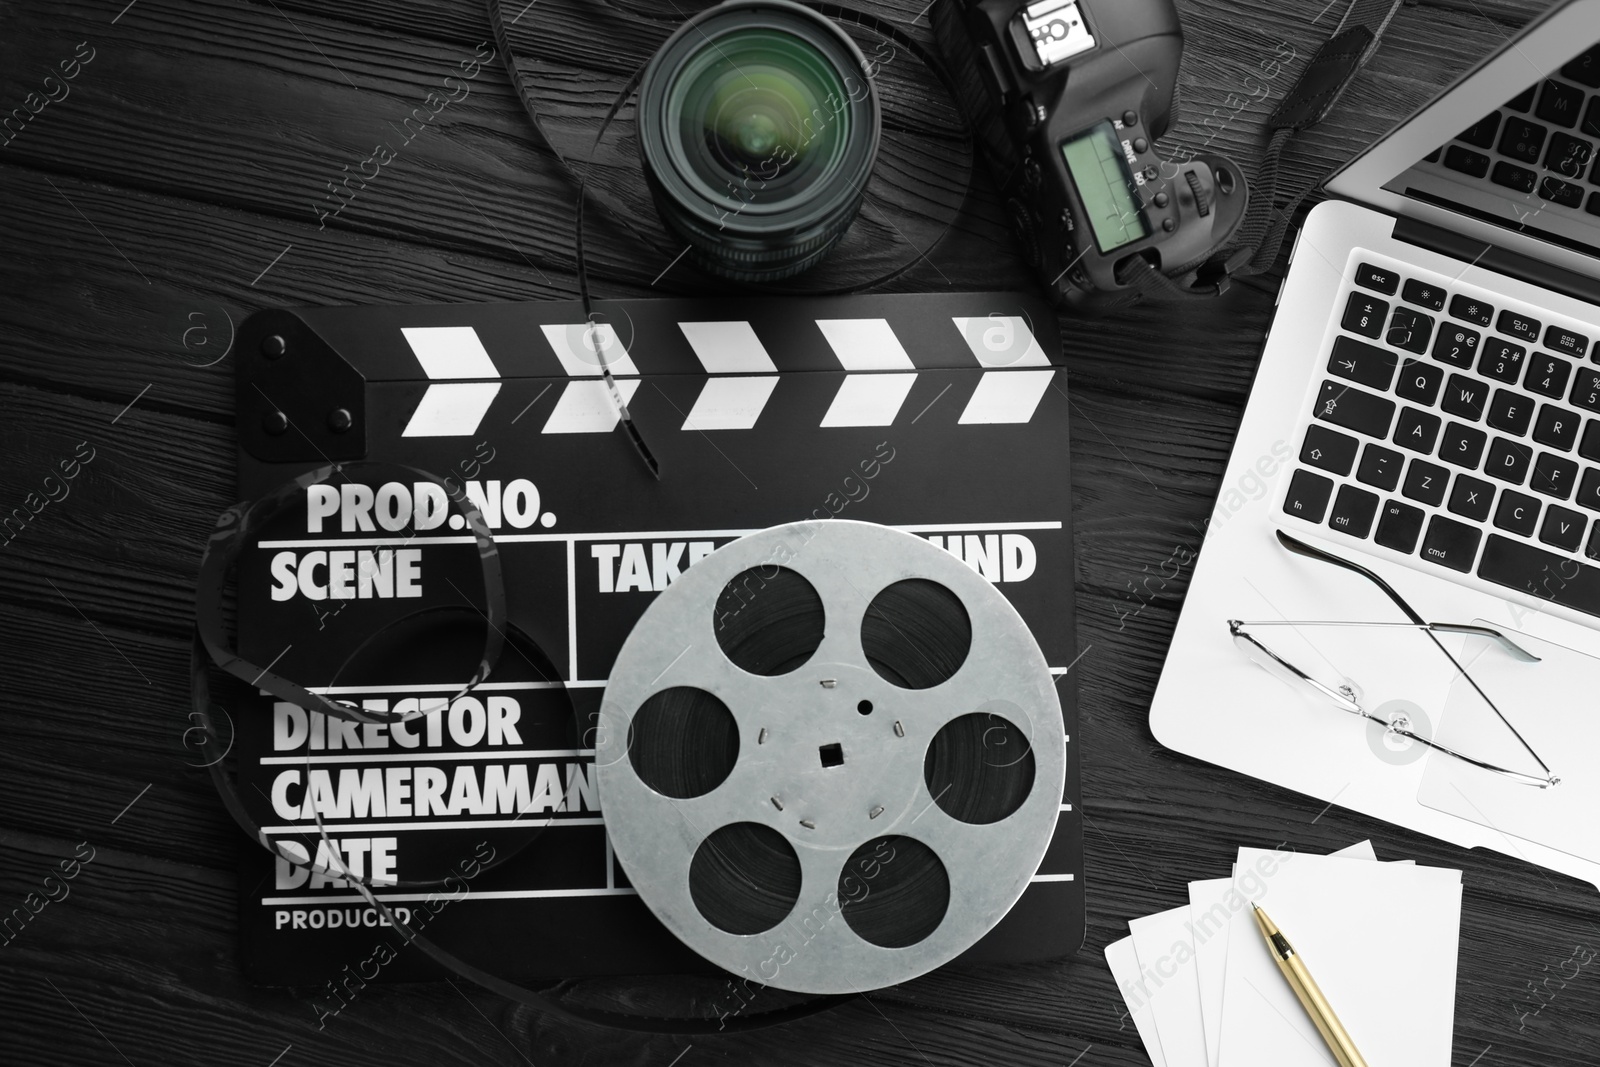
(1344, 696)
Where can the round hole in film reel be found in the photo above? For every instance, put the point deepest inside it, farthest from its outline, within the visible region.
(830, 757)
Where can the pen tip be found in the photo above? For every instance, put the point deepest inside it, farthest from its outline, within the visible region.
(1254, 905)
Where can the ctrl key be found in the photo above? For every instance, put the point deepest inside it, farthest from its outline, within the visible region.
(1308, 496)
(1451, 544)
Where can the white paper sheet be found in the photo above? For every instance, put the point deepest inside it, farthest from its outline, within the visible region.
(1210, 916)
(1123, 960)
(1166, 962)
(1373, 935)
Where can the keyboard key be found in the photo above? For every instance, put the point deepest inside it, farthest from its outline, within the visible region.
(1508, 460)
(1450, 543)
(1481, 133)
(1353, 510)
(1381, 279)
(1360, 362)
(1528, 569)
(1556, 427)
(1559, 192)
(1364, 314)
(1521, 139)
(1471, 309)
(1399, 526)
(1523, 101)
(1462, 445)
(1573, 344)
(1426, 482)
(1465, 160)
(1502, 360)
(1465, 397)
(1589, 447)
(1457, 345)
(1585, 70)
(1380, 467)
(1593, 204)
(1328, 449)
(1592, 549)
(1553, 476)
(1563, 528)
(1591, 120)
(1409, 330)
(1416, 430)
(1354, 410)
(1511, 412)
(1471, 497)
(1420, 381)
(1513, 177)
(1547, 375)
(1586, 389)
(1432, 157)
(1308, 496)
(1423, 294)
(1559, 104)
(1518, 512)
(1588, 490)
(1518, 325)
(1567, 156)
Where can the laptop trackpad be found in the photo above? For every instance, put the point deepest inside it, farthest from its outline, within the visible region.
(1555, 705)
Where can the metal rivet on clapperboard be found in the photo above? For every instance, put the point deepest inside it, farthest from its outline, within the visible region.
(273, 346)
(339, 420)
(274, 422)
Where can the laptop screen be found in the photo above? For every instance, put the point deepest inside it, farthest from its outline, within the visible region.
(1510, 153)
(1531, 164)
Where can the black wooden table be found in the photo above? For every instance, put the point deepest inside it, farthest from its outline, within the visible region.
(178, 180)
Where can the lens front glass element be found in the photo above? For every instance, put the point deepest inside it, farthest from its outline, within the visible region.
(762, 117)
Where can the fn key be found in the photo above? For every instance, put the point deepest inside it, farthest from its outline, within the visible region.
(1308, 496)
(1450, 543)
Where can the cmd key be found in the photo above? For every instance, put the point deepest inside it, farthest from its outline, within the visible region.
(1343, 405)
(1450, 543)
(1546, 575)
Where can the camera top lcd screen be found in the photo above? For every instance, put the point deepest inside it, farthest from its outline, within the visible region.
(1104, 182)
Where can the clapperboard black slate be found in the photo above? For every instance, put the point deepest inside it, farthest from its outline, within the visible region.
(939, 414)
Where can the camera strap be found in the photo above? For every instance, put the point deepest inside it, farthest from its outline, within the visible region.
(1260, 238)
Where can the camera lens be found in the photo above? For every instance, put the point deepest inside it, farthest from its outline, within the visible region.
(758, 130)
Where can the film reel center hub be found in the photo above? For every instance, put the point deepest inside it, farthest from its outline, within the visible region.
(831, 756)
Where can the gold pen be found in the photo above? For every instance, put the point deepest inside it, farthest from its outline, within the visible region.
(1306, 991)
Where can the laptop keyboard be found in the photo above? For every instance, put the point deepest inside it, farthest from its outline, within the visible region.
(1542, 142)
(1458, 430)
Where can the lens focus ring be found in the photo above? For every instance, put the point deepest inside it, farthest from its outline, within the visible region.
(758, 129)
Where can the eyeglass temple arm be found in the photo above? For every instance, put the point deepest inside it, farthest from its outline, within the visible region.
(1300, 548)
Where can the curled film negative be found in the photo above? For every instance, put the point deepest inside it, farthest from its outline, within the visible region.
(830, 756)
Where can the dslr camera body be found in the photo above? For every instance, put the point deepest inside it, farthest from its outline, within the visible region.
(1067, 99)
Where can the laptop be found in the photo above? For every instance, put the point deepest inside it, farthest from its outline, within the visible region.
(1428, 407)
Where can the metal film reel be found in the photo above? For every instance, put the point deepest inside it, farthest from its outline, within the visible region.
(789, 831)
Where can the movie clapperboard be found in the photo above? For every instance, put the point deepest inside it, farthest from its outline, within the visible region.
(942, 415)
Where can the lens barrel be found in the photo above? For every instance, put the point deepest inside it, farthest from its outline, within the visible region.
(758, 129)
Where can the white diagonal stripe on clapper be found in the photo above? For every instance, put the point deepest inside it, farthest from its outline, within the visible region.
(449, 352)
(587, 407)
(1006, 396)
(451, 409)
